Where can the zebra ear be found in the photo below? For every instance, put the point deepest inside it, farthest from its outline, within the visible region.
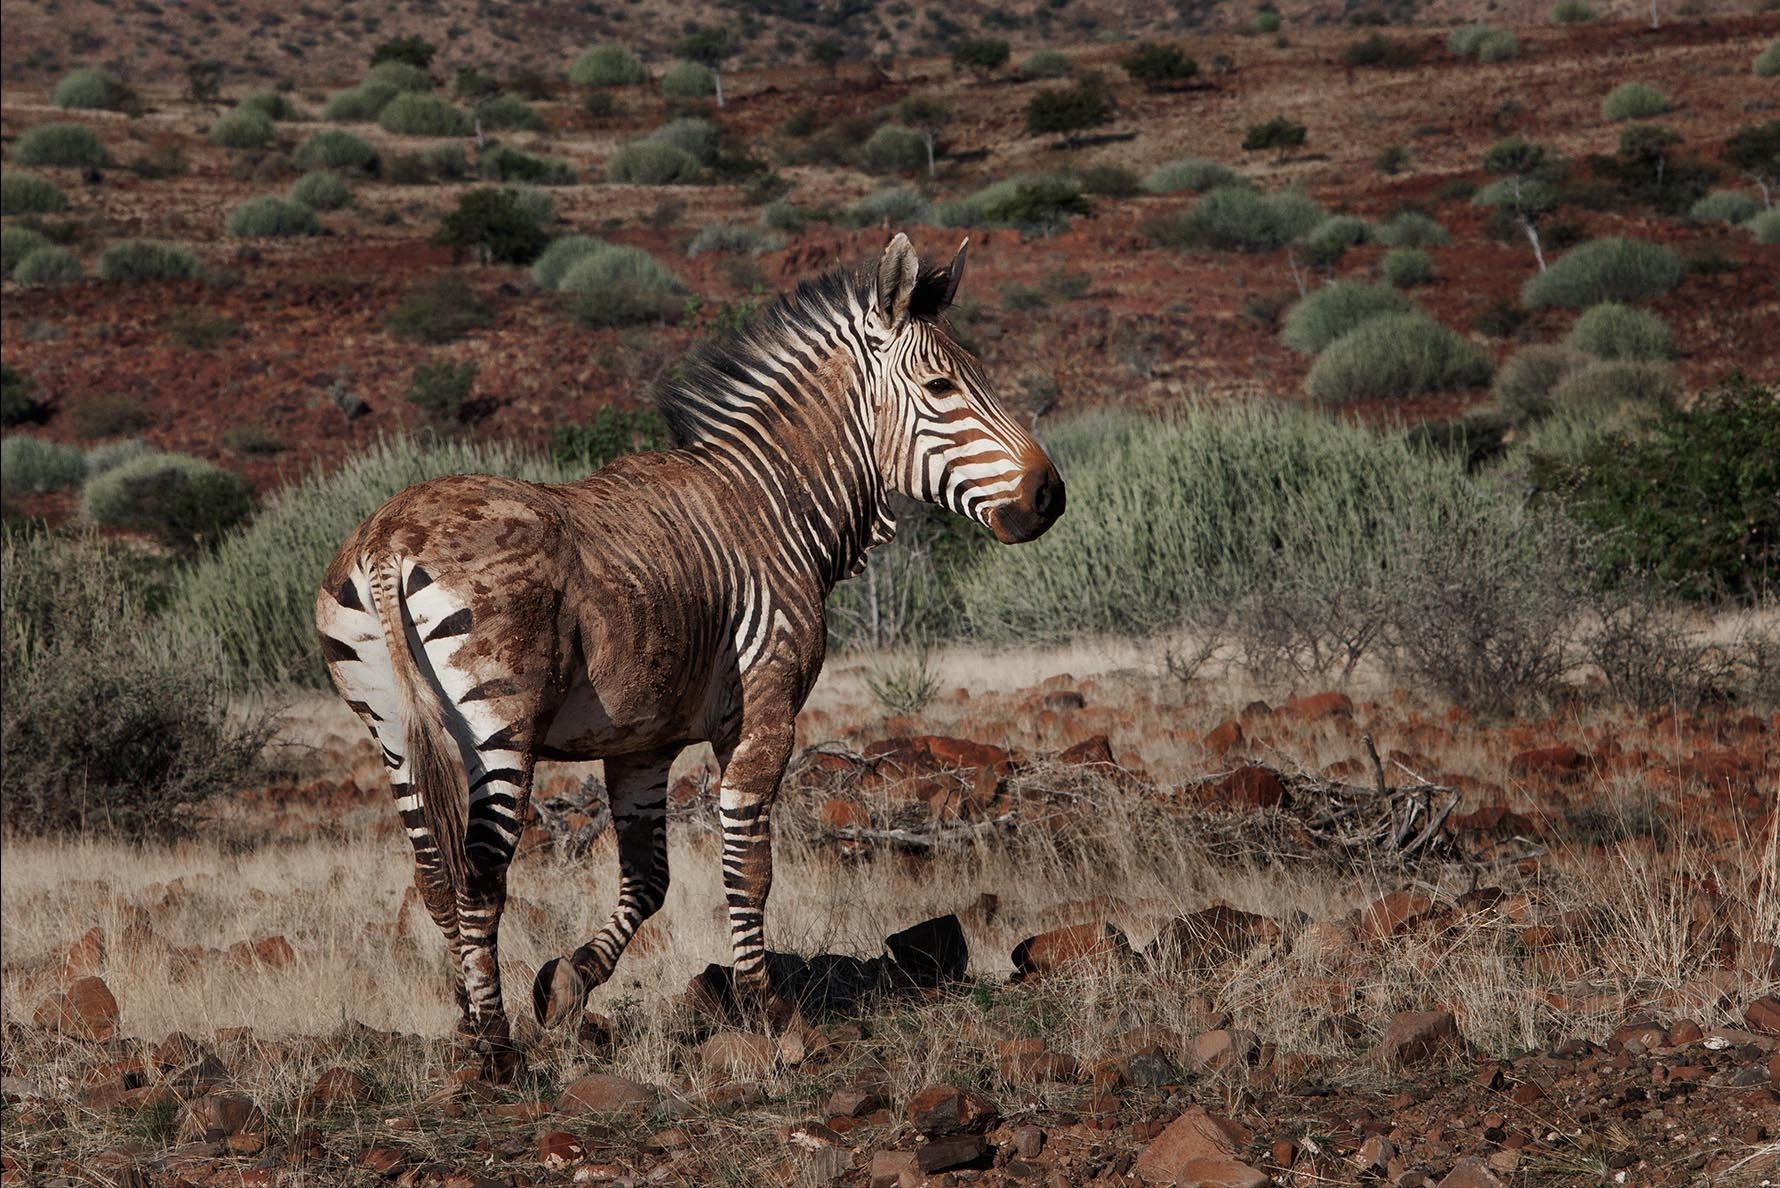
(954, 273)
(897, 273)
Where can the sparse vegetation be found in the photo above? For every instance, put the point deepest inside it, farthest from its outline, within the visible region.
(16, 242)
(243, 128)
(1614, 331)
(1238, 218)
(441, 389)
(688, 80)
(1615, 269)
(1724, 206)
(333, 148)
(504, 163)
(607, 66)
(1047, 64)
(1633, 101)
(271, 216)
(733, 240)
(274, 105)
(982, 56)
(1378, 50)
(1524, 384)
(1157, 66)
(1326, 242)
(1195, 174)
(32, 465)
(1395, 355)
(1405, 268)
(27, 194)
(893, 207)
(1572, 12)
(1276, 133)
(561, 255)
(360, 104)
(47, 267)
(1764, 226)
(652, 163)
(1033, 202)
(321, 189)
(1411, 229)
(893, 149)
(148, 259)
(441, 309)
(496, 225)
(1767, 63)
(616, 285)
(69, 145)
(1067, 111)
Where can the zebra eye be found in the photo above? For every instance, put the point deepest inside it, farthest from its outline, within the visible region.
(939, 385)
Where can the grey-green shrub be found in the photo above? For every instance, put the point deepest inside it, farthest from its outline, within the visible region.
(31, 465)
(1405, 268)
(1327, 313)
(1599, 386)
(1031, 202)
(532, 202)
(1500, 46)
(271, 104)
(1047, 63)
(509, 112)
(781, 214)
(893, 148)
(1572, 12)
(729, 239)
(695, 137)
(1615, 269)
(606, 66)
(1329, 238)
(1195, 174)
(321, 189)
(502, 162)
(414, 113)
(403, 76)
(242, 128)
(17, 242)
(26, 193)
(109, 455)
(360, 104)
(1486, 43)
(183, 502)
(89, 88)
(1614, 331)
(652, 163)
(1765, 226)
(617, 285)
(47, 267)
(1633, 101)
(1465, 39)
(1767, 63)
(688, 80)
(562, 254)
(1237, 218)
(897, 206)
(334, 148)
(73, 145)
(1523, 385)
(148, 259)
(1723, 206)
(272, 216)
(1396, 355)
(1410, 229)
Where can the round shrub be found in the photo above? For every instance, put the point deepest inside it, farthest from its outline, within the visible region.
(893, 149)
(1032, 202)
(1047, 63)
(74, 145)
(414, 113)
(562, 254)
(1615, 269)
(1465, 39)
(695, 137)
(270, 217)
(731, 240)
(1195, 174)
(1597, 387)
(243, 128)
(109, 455)
(16, 243)
(496, 224)
(1633, 101)
(502, 162)
(332, 148)
(1396, 355)
(617, 285)
(32, 465)
(26, 193)
(1327, 313)
(1523, 386)
(271, 104)
(1499, 46)
(1765, 226)
(1572, 12)
(148, 259)
(321, 189)
(1723, 206)
(446, 162)
(360, 104)
(896, 206)
(1331, 237)
(47, 267)
(652, 163)
(1767, 63)
(182, 502)
(90, 88)
(1404, 268)
(1410, 229)
(688, 80)
(403, 76)
(509, 112)
(1614, 331)
(531, 202)
(606, 66)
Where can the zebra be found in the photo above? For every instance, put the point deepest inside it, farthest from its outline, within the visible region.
(478, 624)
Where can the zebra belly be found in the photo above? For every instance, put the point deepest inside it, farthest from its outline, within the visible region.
(584, 728)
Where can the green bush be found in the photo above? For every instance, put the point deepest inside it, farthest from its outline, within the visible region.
(1465, 39)
(532, 202)
(895, 207)
(1405, 268)
(618, 285)
(1767, 63)
(1067, 111)
(1378, 50)
(1196, 174)
(446, 161)
(274, 105)
(1724, 206)
(607, 66)
(441, 388)
(242, 128)
(109, 455)
(1615, 269)
(47, 267)
(1572, 12)
(1410, 229)
(17, 406)
(732, 240)
(321, 189)
(31, 465)
(360, 104)
(94, 415)
(982, 56)
(148, 259)
(1032, 202)
(1524, 384)
(1155, 66)
(71, 145)
(561, 255)
(403, 76)
(1633, 101)
(333, 148)
(414, 113)
(1047, 64)
(1328, 240)
(1598, 387)
(17, 242)
(503, 163)
(894, 149)
(698, 138)
(652, 163)
(1396, 355)
(26, 193)
(1237, 218)
(610, 433)
(411, 50)
(509, 113)
(1765, 226)
(441, 309)
(688, 80)
(1327, 313)
(272, 216)
(92, 89)
(1499, 46)
(1266, 21)
(185, 503)
(1614, 331)
(496, 224)
(1393, 159)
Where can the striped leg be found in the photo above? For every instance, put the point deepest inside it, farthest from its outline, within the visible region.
(638, 790)
(750, 782)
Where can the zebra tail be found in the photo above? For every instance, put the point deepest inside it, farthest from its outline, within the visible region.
(435, 768)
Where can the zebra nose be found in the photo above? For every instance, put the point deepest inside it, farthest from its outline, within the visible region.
(1035, 507)
(1048, 502)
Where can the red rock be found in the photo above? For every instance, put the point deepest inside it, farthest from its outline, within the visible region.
(558, 1148)
(887, 1168)
(1763, 1014)
(1221, 1173)
(961, 754)
(1393, 915)
(1374, 1154)
(1246, 787)
(598, 1093)
(270, 952)
(1683, 1032)
(949, 1109)
(1211, 936)
(1470, 1172)
(1225, 737)
(1028, 1141)
(1098, 944)
(1285, 1152)
(335, 1087)
(1415, 1037)
(1194, 1135)
(953, 1150)
(86, 957)
(1095, 751)
(845, 814)
(853, 1103)
(1028, 1060)
(218, 1115)
(1220, 1049)
(385, 1160)
(739, 1053)
(1558, 761)
(85, 1010)
(1318, 706)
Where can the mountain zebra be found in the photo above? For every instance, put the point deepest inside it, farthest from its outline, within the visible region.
(478, 624)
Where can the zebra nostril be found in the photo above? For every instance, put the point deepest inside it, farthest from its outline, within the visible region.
(1048, 502)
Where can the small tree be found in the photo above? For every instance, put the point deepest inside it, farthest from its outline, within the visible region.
(1525, 192)
(1646, 147)
(495, 225)
(413, 49)
(828, 54)
(982, 56)
(928, 117)
(709, 45)
(1157, 66)
(1754, 151)
(1277, 133)
(1068, 111)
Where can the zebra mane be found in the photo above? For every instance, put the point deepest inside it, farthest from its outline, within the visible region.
(716, 379)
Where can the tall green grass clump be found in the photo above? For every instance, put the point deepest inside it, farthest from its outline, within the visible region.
(896, 206)
(243, 128)
(1405, 268)
(1724, 206)
(562, 254)
(17, 242)
(253, 597)
(699, 139)
(274, 105)
(271, 216)
(1614, 331)
(1327, 313)
(688, 80)
(360, 104)
(1041, 203)
(607, 66)
(1328, 240)
(70, 145)
(893, 148)
(652, 163)
(333, 148)
(183, 502)
(509, 113)
(1239, 219)
(1396, 355)
(32, 465)
(149, 259)
(405, 77)
(26, 193)
(1767, 63)
(1633, 101)
(1523, 385)
(1194, 174)
(1572, 12)
(1411, 229)
(1615, 269)
(414, 113)
(321, 189)
(1486, 43)
(733, 240)
(91, 89)
(617, 285)
(47, 267)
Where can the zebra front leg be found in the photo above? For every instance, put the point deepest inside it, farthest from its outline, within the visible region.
(637, 790)
(751, 777)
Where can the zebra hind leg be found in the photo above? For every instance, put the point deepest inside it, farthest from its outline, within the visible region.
(637, 786)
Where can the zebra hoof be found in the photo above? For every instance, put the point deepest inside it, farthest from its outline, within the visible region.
(559, 992)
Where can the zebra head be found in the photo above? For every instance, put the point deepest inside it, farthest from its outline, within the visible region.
(942, 437)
